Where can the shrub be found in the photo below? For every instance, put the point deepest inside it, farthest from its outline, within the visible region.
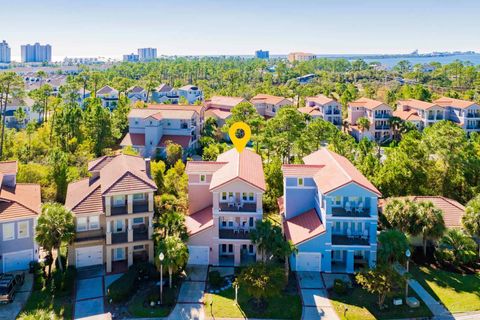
(146, 269)
(339, 287)
(121, 289)
(214, 279)
(456, 248)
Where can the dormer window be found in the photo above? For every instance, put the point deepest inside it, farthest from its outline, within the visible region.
(300, 182)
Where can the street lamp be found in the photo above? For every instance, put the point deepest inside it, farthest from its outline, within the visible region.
(407, 254)
(161, 257)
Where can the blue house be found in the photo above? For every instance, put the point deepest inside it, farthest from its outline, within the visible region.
(330, 213)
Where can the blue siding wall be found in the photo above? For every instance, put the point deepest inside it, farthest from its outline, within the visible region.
(297, 199)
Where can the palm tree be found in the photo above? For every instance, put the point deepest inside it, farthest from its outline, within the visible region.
(395, 124)
(459, 244)
(150, 82)
(432, 223)
(345, 125)
(172, 223)
(471, 219)
(55, 227)
(20, 115)
(363, 124)
(284, 248)
(263, 237)
(175, 252)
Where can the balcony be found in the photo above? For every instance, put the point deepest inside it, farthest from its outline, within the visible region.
(383, 115)
(344, 240)
(140, 233)
(119, 237)
(353, 213)
(229, 207)
(473, 115)
(140, 207)
(233, 234)
(385, 127)
(89, 235)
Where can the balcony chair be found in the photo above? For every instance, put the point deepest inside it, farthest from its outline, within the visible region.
(360, 207)
(348, 207)
(365, 234)
(231, 202)
(240, 205)
(349, 233)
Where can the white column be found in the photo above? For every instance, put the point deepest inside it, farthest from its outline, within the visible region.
(150, 201)
(109, 232)
(109, 260)
(129, 255)
(130, 230)
(150, 227)
(108, 205)
(130, 203)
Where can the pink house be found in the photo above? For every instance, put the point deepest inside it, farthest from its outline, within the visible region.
(225, 201)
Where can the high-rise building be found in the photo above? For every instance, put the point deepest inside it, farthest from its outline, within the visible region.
(260, 54)
(36, 53)
(132, 57)
(147, 54)
(4, 52)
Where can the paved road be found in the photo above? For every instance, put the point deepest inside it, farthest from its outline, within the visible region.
(316, 304)
(190, 299)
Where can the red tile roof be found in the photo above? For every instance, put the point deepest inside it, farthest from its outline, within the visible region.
(366, 103)
(246, 165)
(411, 115)
(199, 221)
(184, 141)
(336, 172)
(84, 197)
(21, 201)
(456, 103)
(133, 139)
(452, 210)
(320, 99)
(219, 114)
(310, 110)
(266, 98)
(417, 104)
(203, 166)
(297, 170)
(9, 167)
(303, 227)
(226, 101)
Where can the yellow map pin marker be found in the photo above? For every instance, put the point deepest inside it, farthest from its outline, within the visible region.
(240, 143)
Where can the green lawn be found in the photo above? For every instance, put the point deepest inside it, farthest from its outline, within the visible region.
(459, 293)
(363, 306)
(50, 300)
(139, 306)
(283, 307)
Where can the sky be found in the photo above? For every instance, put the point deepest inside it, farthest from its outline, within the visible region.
(111, 28)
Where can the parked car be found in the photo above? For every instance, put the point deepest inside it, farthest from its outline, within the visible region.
(9, 284)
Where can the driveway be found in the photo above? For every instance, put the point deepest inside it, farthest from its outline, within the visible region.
(190, 298)
(11, 310)
(89, 293)
(316, 304)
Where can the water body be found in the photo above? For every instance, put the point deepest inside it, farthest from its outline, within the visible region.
(389, 62)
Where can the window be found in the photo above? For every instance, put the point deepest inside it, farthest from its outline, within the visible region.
(138, 220)
(81, 224)
(94, 222)
(337, 226)
(250, 196)
(139, 197)
(250, 249)
(203, 178)
(23, 231)
(119, 226)
(224, 248)
(8, 233)
(224, 223)
(337, 200)
(244, 196)
(230, 248)
(119, 253)
(118, 201)
(250, 221)
(224, 196)
(300, 181)
(230, 195)
(230, 223)
(138, 248)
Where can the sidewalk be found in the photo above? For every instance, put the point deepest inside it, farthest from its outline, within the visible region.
(438, 310)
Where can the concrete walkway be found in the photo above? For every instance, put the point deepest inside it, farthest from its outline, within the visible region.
(190, 299)
(438, 310)
(315, 301)
(89, 295)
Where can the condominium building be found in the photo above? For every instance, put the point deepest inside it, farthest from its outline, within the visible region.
(465, 113)
(132, 57)
(378, 115)
(268, 105)
(323, 107)
(330, 214)
(113, 211)
(36, 53)
(260, 54)
(147, 54)
(220, 107)
(225, 202)
(300, 56)
(152, 128)
(420, 113)
(109, 97)
(5, 52)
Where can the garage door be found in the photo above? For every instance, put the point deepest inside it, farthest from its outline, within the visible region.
(198, 255)
(89, 256)
(308, 262)
(17, 261)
